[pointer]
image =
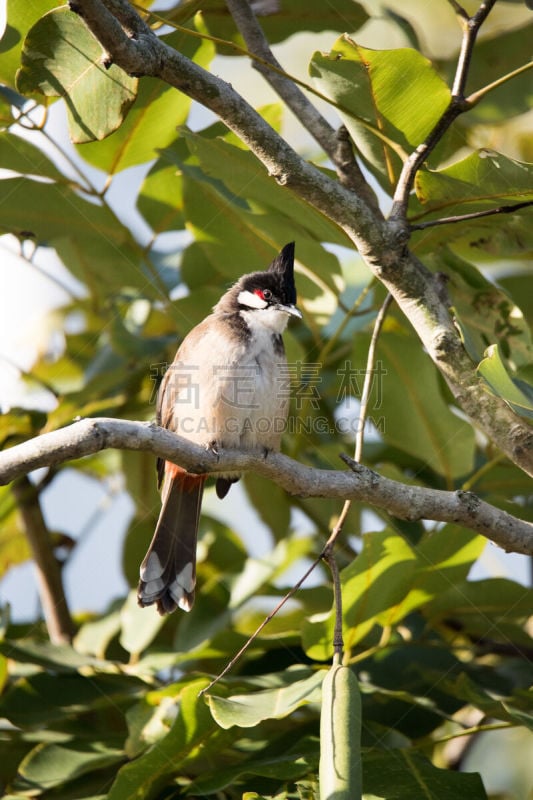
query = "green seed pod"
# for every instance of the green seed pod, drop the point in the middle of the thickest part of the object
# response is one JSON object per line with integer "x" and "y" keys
{"x": 340, "y": 736}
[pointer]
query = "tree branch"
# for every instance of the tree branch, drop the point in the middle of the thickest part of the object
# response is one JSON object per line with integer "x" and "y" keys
{"x": 49, "y": 579}
{"x": 136, "y": 49}
{"x": 405, "y": 501}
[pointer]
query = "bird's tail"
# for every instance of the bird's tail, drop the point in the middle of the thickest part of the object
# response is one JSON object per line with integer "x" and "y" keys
{"x": 168, "y": 572}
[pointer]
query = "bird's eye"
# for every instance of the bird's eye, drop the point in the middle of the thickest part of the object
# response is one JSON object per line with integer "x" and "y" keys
{"x": 264, "y": 294}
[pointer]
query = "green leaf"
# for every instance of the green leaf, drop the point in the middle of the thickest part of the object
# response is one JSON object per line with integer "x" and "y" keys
{"x": 14, "y": 548}
{"x": 444, "y": 558}
{"x": 21, "y": 16}
{"x": 51, "y": 765}
{"x": 396, "y": 774}
{"x": 139, "y": 625}
{"x": 373, "y": 586}
{"x": 188, "y": 738}
{"x": 41, "y": 698}
{"x": 258, "y": 573}
{"x": 94, "y": 637}
{"x": 407, "y": 397}
{"x": 486, "y": 600}
{"x": 483, "y": 312}
{"x": 61, "y": 58}
{"x": 517, "y": 394}
{"x": 271, "y": 503}
{"x": 244, "y": 175}
{"x": 95, "y": 246}
{"x": 62, "y": 659}
{"x": 153, "y": 118}
{"x": 484, "y": 179}
{"x": 160, "y": 198}
{"x": 395, "y": 92}
{"x": 515, "y": 709}
{"x": 20, "y": 155}
{"x": 248, "y": 710}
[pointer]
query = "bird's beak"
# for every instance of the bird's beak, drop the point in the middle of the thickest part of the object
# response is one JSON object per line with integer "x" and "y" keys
{"x": 290, "y": 309}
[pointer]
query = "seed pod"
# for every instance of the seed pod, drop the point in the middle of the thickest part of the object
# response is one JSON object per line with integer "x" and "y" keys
{"x": 340, "y": 736}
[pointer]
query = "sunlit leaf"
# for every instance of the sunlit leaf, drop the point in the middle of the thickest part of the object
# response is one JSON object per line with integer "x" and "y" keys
{"x": 388, "y": 89}
{"x": 483, "y": 312}
{"x": 21, "y": 16}
{"x": 188, "y": 737}
{"x": 248, "y": 710}
{"x": 61, "y": 58}
{"x": 517, "y": 394}
{"x": 151, "y": 123}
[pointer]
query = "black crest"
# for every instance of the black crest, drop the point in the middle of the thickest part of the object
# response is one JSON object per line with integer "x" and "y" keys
{"x": 283, "y": 269}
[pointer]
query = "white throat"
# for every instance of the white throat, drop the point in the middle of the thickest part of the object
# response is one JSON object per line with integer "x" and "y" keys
{"x": 266, "y": 320}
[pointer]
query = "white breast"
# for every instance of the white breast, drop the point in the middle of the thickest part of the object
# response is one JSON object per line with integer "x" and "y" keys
{"x": 229, "y": 393}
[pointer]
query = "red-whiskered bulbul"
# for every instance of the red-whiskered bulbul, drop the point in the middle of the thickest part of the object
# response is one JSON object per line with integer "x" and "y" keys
{"x": 224, "y": 389}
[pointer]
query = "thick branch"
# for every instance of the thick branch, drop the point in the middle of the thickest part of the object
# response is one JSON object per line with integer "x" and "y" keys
{"x": 49, "y": 580}
{"x": 360, "y": 483}
{"x": 135, "y": 48}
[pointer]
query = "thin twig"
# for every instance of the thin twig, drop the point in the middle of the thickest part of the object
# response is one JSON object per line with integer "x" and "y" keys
{"x": 365, "y": 394}
{"x": 432, "y": 223}
{"x": 265, "y": 622}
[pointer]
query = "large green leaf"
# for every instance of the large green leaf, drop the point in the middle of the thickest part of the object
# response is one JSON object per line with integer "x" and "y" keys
{"x": 42, "y": 698}
{"x": 245, "y": 176}
{"x": 14, "y": 547}
{"x": 373, "y": 585}
{"x": 396, "y": 774}
{"x": 484, "y": 179}
{"x": 395, "y": 92}
{"x": 152, "y": 121}
{"x": 300, "y": 686}
{"x": 485, "y": 602}
{"x": 389, "y": 579}
{"x": 61, "y": 58}
{"x": 407, "y": 398}
{"x": 95, "y": 246}
{"x": 51, "y": 765}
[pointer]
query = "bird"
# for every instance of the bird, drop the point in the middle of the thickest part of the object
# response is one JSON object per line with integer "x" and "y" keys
{"x": 224, "y": 390}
